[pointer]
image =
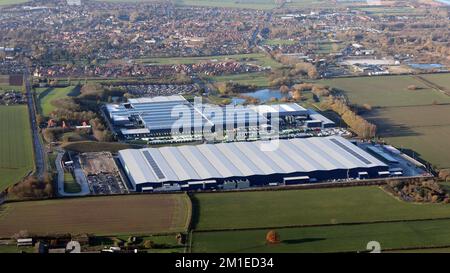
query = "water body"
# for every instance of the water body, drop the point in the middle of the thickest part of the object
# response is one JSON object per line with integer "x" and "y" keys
{"x": 263, "y": 95}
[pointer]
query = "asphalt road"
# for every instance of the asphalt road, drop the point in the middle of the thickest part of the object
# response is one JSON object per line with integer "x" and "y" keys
{"x": 39, "y": 156}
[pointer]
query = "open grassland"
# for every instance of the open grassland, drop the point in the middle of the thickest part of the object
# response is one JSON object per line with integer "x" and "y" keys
{"x": 433, "y": 233}
{"x": 5, "y": 88}
{"x": 12, "y": 2}
{"x": 387, "y": 91}
{"x": 132, "y": 214}
{"x": 421, "y": 129}
{"x": 391, "y": 11}
{"x": 305, "y": 207}
{"x": 409, "y": 119}
{"x": 257, "y": 79}
{"x": 442, "y": 80}
{"x": 16, "y": 149}
{"x": 70, "y": 184}
{"x": 46, "y": 97}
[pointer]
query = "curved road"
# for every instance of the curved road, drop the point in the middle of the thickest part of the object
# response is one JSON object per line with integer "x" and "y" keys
{"x": 39, "y": 154}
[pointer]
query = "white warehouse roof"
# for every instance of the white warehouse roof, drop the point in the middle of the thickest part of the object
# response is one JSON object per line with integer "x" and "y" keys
{"x": 240, "y": 159}
{"x": 283, "y": 109}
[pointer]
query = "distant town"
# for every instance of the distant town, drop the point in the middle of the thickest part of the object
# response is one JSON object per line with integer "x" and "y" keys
{"x": 196, "y": 113}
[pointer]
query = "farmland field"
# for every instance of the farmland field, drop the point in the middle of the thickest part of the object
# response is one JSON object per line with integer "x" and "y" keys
{"x": 433, "y": 233}
{"x": 305, "y": 207}
{"x": 16, "y": 149}
{"x": 375, "y": 90}
{"x": 47, "y": 95}
{"x": 421, "y": 129}
{"x": 415, "y": 120}
{"x": 133, "y": 214}
{"x": 442, "y": 80}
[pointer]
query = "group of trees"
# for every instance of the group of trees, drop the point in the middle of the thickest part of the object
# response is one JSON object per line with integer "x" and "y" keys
{"x": 358, "y": 124}
{"x": 79, "y": 110}
{"x": 418, "y": 191}
{"x": 229, "y": 88}
{"x": 32, "y": 187}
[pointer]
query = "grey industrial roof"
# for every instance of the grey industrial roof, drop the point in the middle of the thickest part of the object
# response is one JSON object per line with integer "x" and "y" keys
{"x": 314, "y": 115}
{"x": 282, "y": 109}
{"x": 210, "y": 161}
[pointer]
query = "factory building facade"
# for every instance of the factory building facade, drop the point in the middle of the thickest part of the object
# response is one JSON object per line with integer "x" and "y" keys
{"x": 240, "y": 165}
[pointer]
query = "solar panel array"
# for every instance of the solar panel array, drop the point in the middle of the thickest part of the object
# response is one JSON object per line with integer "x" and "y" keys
{"x": 154, "y": 166}
{"x": 350, "y": 151}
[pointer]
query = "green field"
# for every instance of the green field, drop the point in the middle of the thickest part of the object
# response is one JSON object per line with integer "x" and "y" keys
{"x": 434, "y": 233}
{"x": 46, "y": 96}
{"x": 420, "y": 129}
{"x": 442, "y": 80}
{"x": 305, "y": 207}
{"x": 12, "y": 2}
{"x": 257, "y": 79}
{"x": 70, "y": 184}
{"x": 16, "y": 149}
{"x": 408, "y": 119}
{"x": 387, "y": 91}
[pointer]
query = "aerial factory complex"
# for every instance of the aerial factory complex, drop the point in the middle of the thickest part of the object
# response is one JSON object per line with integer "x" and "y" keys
{"x": 192, "y": 126}
{"x": 244, "y": 164}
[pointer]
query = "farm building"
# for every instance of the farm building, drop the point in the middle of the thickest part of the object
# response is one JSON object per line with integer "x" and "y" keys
{"x": 245, "y": 164}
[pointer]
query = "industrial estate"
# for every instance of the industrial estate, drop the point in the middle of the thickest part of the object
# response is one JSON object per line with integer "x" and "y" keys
{"x": 224, "y": 126}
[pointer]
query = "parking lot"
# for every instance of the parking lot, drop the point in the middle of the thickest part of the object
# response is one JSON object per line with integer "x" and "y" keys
{"x": 160, "y": 89}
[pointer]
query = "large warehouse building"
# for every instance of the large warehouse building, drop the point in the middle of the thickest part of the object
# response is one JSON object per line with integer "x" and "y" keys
{"x": 245, "y": 164}
{"x": 162, "y": 116}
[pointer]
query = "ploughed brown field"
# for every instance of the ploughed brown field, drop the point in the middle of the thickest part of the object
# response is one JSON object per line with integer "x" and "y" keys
{"x": 132, "y": 214}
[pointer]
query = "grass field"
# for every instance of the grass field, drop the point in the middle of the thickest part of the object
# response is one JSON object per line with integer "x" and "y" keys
{"x": 421, "y": 129}
{"x": 305, "y": 207}
{"x": 70, "y": 185}
{"x": 138, "y": 214}
{"x": 16, "y": 149}
{"x": 257, "y": 79}
{"x": 46, "y": 96}
{"x": 442, "y": 80}
{"x": 12, "y": 2}
{"x": 376, "y": 90}
{"x": 397, "y": 235}
{"x": 407, "y": 119}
